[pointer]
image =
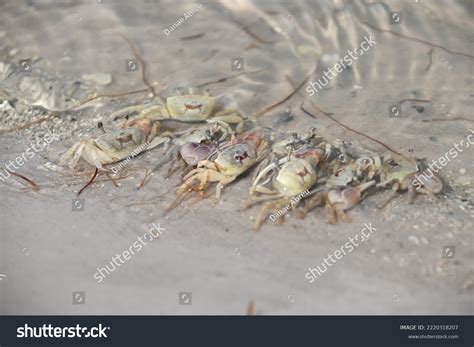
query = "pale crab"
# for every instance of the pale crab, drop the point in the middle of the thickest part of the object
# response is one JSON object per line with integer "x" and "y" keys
{"x": 346, "y": 186}
{"x": 285, "y": 181}
{"x": 188, "y": 107}
{"x": 192, "y": 146}
{"x": 311, "y": 160}
{"x": 295, "y": 142}
{"x": 135, "y": 136}
{"x": 405, "y": 175}
{"x": 287, "y": 173}
{"x": 362, "y": 169}
{"x": 338, "y": 200}
{"x": 229, "y": 162}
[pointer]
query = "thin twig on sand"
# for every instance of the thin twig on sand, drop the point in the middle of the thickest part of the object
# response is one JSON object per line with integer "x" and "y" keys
{"x": 329, "y": 115}
{"x": 271, "y": 107}
{"x": 430, "y": 55}
{"x": 89, "y": 183}
{"x": 142, "y": 63}
{"x": 145, "y": 179}
{"x": 448, "y": 119}
{"x": 223, "y": 79}
{"x": 355, "y": 131}
{"x": 418, "y": 40}
{"x": 32, "y": 184}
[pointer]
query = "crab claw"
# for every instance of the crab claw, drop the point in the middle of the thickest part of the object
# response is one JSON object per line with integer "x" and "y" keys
{"x": 348, "y": 197}
{"x": 340, "y": 200}
{"x": 192, "y": 153}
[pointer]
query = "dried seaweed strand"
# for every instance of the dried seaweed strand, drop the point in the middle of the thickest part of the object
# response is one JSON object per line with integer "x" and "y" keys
{"x": 414, "y": 100}
{"x": 448, "y": 120}
{"x": 145, "y": 179}
{"x": 112, "y": 179}
{"x": 430, "y": 55}
{"x": 27, "y": 125}
{"x": 223, "y": 79}
{"x": 33, "y": 185}
{"x": 192, "y": 37}
{"x": 312, "y": 104}
{"x": 355, "y": 131}
{"x": 142, "y": 203}
{"x": 418, "y": 40}
{"x": 251, "y": 34}
{"x": 89, "y": 183}
{"x": 269, "y": 108}
{"x": 142, "y": 63}
{"x": 329, "y": 115}
{"x": 113, "y": 95}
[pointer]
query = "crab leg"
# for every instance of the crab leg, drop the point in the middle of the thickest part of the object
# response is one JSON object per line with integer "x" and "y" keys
{"x": 253, "y": 201}
{"x": 267, "y": 169}
{"x": 228, "y": 116}
{"x": 264, "y": 211}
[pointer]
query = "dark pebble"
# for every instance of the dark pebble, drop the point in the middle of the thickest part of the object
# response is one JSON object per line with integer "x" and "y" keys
{"x": 420, "y": 109}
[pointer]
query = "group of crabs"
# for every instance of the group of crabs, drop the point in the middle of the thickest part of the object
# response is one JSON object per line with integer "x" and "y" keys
{"x": 334, "y": 175}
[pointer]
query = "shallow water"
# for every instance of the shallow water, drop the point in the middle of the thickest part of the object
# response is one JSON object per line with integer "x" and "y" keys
{"x": 286, "y": 38}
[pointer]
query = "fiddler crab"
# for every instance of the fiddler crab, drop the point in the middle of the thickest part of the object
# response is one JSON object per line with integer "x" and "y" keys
{"x": 188, "y": 108}
{"x": 371, "y": 170}
{"x": 345, "y": 187}
{"x": 338, "y": 200}
{"x": 310, "y": 160}
{"x": 196, "y": 144}
{"x": 404, "y": 175}
{"x": 399, "y": 172}
{"x": 135, "y": 136}
{"x": 143, "y": 131}
{"x": 363, "y": 168}
{"x": 318, "y": 173}
{"x": 225, "y": 164}
{"x": 284, "y": 181}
